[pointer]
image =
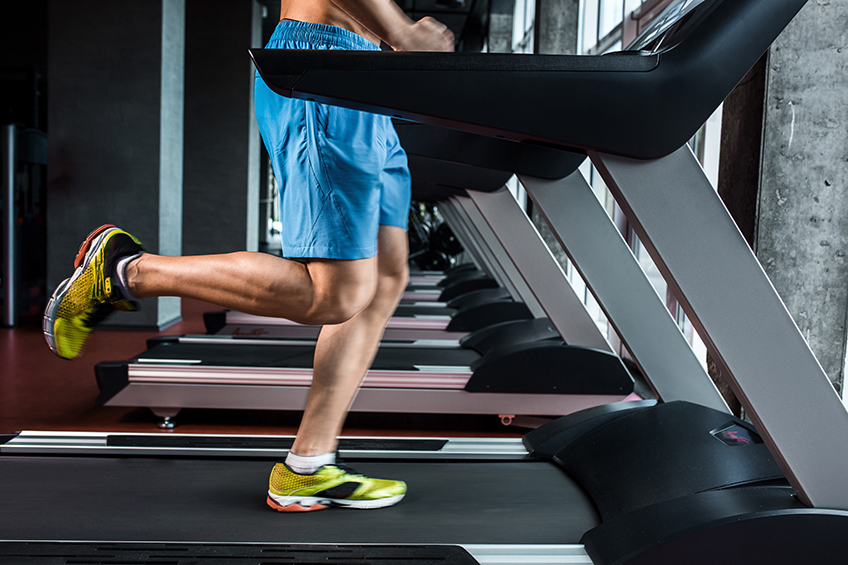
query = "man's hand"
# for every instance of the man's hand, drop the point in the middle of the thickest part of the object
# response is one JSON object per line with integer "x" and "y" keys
{"x": 427, "y": 34}
{"x": 388, "y": 22}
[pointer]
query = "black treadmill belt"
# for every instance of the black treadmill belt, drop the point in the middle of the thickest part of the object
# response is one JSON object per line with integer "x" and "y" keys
{"x": 417, "y": 310}
{"x": 48, "y": 553}
{"x": 214, "y": 500}
{"x": 194, "y": 441}
{"x": 300, "y": 356}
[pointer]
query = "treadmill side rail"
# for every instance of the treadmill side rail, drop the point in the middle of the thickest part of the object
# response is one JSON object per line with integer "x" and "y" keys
{"x": 741, "y": 317}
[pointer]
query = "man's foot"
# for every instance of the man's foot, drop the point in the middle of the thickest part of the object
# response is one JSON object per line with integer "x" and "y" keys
{"x": 91, "y": 294}
{"x": 329, "y": 486}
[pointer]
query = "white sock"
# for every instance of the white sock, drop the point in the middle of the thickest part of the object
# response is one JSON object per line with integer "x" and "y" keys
{"x": 309, "y": 464}
{"x": 121, "y": 273}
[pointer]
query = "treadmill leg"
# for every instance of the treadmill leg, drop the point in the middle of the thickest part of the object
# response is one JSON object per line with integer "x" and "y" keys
{"x": 167, "y": 415}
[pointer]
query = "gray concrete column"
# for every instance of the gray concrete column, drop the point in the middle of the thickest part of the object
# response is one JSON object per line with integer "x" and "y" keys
{"x": 802, "y": 230}
{"x": 115, "y": 117}
{"x": 501, "y": 13}
{"x": 556, "y": 34}
{"x": 221, "y": 194}
{"x": 557, "y": 23}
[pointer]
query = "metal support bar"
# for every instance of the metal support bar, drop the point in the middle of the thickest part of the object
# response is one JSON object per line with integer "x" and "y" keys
{"x": 539, "y": 269}
{"x": 624, "y": 293}
{"x": 478, "y": 232}
{"x": 9, "y": 274}
{"x": 470, "y": 241}
{"x": 514, "y": 280}
{"x": 730, "y": 300}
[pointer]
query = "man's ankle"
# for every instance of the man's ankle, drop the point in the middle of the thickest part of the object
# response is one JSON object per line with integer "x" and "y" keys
{"x": 309, "y": 464}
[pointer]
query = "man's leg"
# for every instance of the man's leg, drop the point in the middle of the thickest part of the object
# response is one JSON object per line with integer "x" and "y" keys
{"x": 310, "y": 480}
{"x": 322, "y": 291}
{"x": 345, "y": 351}
{"x": 111, "y": 274}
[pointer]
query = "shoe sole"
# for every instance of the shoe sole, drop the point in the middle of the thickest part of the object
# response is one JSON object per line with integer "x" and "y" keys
{"x": 312, "y": 503}
{"x": 81, "y": 262}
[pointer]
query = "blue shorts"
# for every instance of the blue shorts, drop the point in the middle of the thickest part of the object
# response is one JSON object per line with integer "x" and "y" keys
{"x": 342, "y": 173}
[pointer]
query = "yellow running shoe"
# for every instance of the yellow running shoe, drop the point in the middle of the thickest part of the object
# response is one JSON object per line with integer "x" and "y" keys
{"x": 91, "y": 294}
{"x": 331, "y": 485}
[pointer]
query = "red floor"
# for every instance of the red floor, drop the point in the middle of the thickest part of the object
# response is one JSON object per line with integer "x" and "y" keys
{"x": 39, "y": 391}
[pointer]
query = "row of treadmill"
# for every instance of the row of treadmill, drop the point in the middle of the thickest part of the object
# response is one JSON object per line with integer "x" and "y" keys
{"x": 651, "y": 469}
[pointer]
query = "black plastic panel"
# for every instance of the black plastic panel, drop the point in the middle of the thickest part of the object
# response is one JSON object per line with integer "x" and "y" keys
{"x": 651, "y": 455}
{"x": 545, "y": 442}
{"x": 430, "y": 192}
{"x": 510, "y": 334}
{"x": 214, "y": 321}
{"x": 473, "y": 319}
{"x": 486, "y": 152}
{"x": 456, "y": 175}
{"x": 735, "y": 527}
{"x": 479, "y": 297}
{"x": 461, "y": 275}
{"x": 5, "y": 438}
{"x": 111, "y": 378}
{"x": 464, "y": 285}
{"x": 631, "y": 104}
{"x": 550, "y": 368}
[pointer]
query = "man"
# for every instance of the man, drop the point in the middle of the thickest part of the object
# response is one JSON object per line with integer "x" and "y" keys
{"x": 345, "y": 192}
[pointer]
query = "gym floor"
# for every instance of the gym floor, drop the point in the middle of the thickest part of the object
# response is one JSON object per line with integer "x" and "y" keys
{"x": 39, "y": 391}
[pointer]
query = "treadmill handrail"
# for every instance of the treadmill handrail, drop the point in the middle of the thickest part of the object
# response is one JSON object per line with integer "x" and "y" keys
{"x": 631, "y": 104}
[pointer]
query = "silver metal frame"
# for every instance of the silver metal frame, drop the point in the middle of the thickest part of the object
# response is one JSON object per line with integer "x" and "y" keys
{"x": 723, "y": 289}
{"x": 487, "y": 249}
{"x": 623, "y": 291}
{"x": 9, "y": 276}
{"x": 539, "y": 269}
{"x": 95, "y": 443}
{"x": 166, "y": 389}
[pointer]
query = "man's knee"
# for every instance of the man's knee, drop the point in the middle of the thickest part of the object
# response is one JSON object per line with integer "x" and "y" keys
{"x": 340, "y": 292}
{"x": 344, "y": 301}
{"x": 393, "y": 281}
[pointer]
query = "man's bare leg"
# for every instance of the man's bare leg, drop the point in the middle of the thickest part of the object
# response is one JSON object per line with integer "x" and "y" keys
{"x": 361, "y": 294}
{"x": 324, "y": 291}
{"x": 345, "y": 351}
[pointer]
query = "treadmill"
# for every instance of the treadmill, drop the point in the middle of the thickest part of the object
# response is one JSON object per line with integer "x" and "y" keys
{"x": 479, "y": 378}
{"x": 672, "y": 482}
{"x": 450, "y": 306}
{"x": 688, "y": 60}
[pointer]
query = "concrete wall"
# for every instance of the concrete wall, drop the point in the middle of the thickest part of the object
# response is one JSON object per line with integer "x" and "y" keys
{"x": 115, "y": 117}
{"x": 802, "y": 225}
{"x": 557, "y": 23}
{"x": 221, "y": 185}
{"x": 500, "y": 26}
{"x": 556, "y": 27}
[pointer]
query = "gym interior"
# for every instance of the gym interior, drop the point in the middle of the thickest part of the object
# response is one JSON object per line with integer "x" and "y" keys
{"x": 627, "y": 321}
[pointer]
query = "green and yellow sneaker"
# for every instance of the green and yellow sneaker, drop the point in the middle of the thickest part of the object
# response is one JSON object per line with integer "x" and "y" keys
{"x": 91, "y": 294}
{"x": 329, "y": 486}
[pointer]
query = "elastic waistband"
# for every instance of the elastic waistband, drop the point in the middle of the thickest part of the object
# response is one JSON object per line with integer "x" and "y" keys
{"x": 289, "y": 31}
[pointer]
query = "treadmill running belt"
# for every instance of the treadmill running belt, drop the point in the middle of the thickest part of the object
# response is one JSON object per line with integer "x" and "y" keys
{"x": 213, "y": 500}
{"x": 252, "y": 442}
{"x": 298, "y": 356}
{"x": 46, "y": 553}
